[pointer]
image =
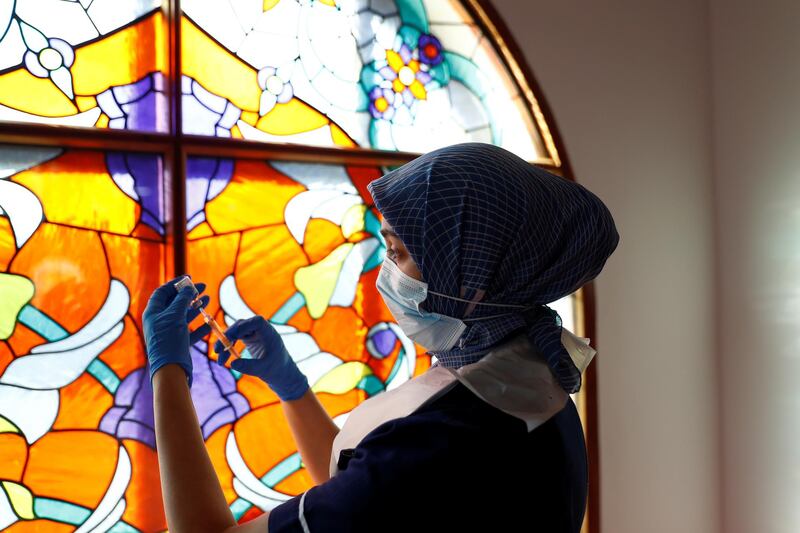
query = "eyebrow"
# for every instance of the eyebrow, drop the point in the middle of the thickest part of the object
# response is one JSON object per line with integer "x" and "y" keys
{"x": 388, "y": 232}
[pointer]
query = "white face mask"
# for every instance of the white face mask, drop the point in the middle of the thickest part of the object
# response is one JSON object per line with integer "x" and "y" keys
{"x": 403, "y": 296}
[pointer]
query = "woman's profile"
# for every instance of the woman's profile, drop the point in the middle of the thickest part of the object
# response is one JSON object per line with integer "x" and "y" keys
{"x": 477, "y": 242}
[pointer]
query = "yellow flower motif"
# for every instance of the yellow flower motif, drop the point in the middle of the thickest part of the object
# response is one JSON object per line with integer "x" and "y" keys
{"x": 405, "y": 73}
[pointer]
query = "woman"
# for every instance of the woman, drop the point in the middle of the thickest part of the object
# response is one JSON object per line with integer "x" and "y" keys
{"x": 488, "y": 438}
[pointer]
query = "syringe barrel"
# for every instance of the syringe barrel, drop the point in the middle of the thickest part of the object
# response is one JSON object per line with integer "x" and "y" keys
{"x": 220, "y": 334}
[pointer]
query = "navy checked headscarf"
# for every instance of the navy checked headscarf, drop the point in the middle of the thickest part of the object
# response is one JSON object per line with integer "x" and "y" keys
{"x": 484, "y": 225}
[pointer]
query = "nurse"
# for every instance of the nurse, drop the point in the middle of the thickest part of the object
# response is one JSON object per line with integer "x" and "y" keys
{"x": 488, "y": 439}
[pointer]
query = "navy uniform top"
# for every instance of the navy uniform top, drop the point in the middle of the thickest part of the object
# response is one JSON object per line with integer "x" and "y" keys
{"x": 456, "y": 463}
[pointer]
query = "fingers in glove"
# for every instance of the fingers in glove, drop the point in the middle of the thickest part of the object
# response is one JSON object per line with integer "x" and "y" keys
{"x": 162, "y": 296}
{"x": 244, "y": 328}
{"x": 181, "y": 301}
{"x": 199, "y": 333}
{"x": 222, "y": 354}
{"x": 246, "y": 366}
{"x": 192, "y": 312}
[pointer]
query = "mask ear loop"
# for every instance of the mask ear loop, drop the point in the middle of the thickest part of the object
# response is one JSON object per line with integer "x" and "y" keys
{"x": 517, "y": 306}
{"x": 512, "y": 306}
{"x": 484, "y": 317}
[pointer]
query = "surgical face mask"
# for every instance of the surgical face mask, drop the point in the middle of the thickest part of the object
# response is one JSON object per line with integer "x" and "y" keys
{"x": 403, "y": 296}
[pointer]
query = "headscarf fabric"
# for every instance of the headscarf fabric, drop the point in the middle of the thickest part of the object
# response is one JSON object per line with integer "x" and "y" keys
{"x": 486, "y": 226}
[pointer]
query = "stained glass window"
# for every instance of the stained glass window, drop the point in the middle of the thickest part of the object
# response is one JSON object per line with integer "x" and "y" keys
{"x": 335, "y": 92}
{"x": 82, "y": 243}
{"x": 407, "y": 75}
{"x": 91, "y": 63}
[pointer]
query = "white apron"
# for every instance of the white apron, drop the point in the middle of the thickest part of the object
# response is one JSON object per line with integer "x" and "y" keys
{"x": 512, "y": 377}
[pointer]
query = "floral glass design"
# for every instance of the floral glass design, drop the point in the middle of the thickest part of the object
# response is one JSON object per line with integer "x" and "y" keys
{"x": 97, "y": 63}
{"x": 406, "y": 75}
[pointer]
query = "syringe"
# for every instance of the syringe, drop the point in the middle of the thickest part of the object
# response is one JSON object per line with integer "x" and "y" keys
{"x": 197, "y": 303}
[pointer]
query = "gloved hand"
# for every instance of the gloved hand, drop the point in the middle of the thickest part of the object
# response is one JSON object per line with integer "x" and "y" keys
{"x": 166, "y": 327}
{"x": 271, "y": 361}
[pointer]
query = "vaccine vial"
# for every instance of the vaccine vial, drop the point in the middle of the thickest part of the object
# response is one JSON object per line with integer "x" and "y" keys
{"x": 197, "y": 303}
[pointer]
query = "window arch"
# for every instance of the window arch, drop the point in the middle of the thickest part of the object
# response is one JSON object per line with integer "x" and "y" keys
{"x": 233, "y": 140}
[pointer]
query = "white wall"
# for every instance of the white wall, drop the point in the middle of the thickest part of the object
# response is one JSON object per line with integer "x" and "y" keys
{"x": 756, "y": 102}
{"x": 628, "y": 83}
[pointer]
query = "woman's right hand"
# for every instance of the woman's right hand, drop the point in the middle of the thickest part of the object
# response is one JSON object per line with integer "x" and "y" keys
{"x": 270, "y": 360}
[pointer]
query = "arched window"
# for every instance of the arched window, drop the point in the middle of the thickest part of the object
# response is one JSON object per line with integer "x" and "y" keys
{"x": 232, "y": 140}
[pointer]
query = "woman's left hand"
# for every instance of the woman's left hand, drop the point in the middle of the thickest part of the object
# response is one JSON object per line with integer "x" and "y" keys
{"x": 166, "y": 327}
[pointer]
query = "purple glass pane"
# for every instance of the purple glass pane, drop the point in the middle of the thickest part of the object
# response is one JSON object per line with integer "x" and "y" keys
{"x": 140, "y": 106}
{"x": 132, "y": 414}
{"x": 239, "y": 403}
{"x": 224, "y": 378}
{"x": 128, "y": 93}
{"x": 128, "y": 388}
{"x": 142, "y": 113}
{"x": 139, "y": 176}
{"x": 110, "y": 420}
{"x": 217, "y": 420}
{"x": 205, "y": 179}
{"x": 384, "y": 341}
{"x": 206, "y": 395}
{"x": 131, "y": 429}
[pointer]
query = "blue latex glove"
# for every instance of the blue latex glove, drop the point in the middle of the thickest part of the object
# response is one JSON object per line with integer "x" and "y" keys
{"x": 270, "y": 360}
{"x": 166, "y": 327}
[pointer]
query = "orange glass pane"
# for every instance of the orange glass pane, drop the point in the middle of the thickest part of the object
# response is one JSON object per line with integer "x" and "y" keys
{"x": 74, "y": 466}
{"x": 296, "y": 483}
{"x": 257, "y": 392}
{"x": 258, "y": 455}
{"x": 68, "y": 286}
{"x": 125, "y": 255}
{"x": 82, "y": 404}
{"x": 97, "y": 204}
{"x": 7, "y": 248}
{"x": 13, "y": 456}
{"x": 234, "y": 209}
{"x": 6, "y": 356}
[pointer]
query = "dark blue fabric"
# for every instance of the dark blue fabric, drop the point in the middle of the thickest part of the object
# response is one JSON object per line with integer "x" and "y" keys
{"x": 456, "y": 464}
{"x": 484, "y": 225}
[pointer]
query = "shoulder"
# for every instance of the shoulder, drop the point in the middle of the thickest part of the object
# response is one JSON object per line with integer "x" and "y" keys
{"x": 454, "y": 448}
{"x": 458, "y": 413}
{"x": 460, "y": 427}
{"x": 433, "y": 444}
